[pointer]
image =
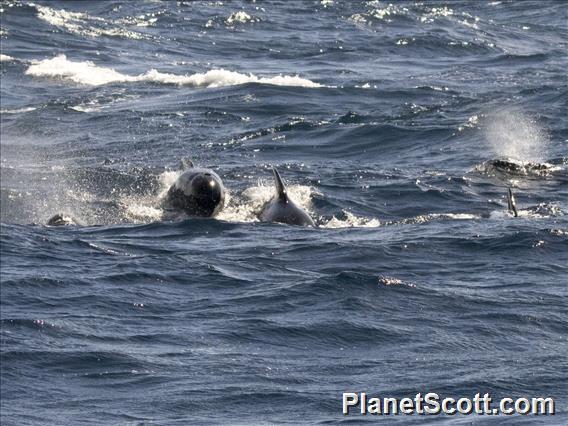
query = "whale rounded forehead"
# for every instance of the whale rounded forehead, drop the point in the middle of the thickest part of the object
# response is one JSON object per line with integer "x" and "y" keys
{"x": 186, "y": 177}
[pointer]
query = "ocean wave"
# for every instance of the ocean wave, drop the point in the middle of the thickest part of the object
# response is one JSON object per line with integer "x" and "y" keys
{"x": 421, "y": 14}
{"x": 86, "y": 108}
{"x": 350, "y": 220}
{"x": 418, "y": 12}
{"x": 434, "y": 13}
{"x": 17, "y": 110}
{"x": 86, "y": 25}
{"x": 88, "y": 73}
{"x": 101, "y": 103}
{"x": 425, "y": 218}
{"x": 6, "y": 58}
{"x": 391, "y": 281}
{"x": 378, "y": 13}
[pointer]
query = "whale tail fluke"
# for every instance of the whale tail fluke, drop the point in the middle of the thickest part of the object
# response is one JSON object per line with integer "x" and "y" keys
{"x": 280, "y": 188}
{"x": 511, "y": 204}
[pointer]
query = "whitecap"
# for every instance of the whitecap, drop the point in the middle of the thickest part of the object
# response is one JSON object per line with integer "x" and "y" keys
{"x": 391, "y": 281}
{"x": 88, "y": 73}
{"x": 91, "y": 26}
{"x": 79, "y": 72}
{"x": 85, "y": 108}
{"x": 240, "y": 17}
{"x": 435, "y": 13}
{"x": 418, "y": 220}
{"x": 459, "y": 216}
{"x": 96, "y": 105}
{"x": 17, "y": 111}
{"x": 350, "y": 220}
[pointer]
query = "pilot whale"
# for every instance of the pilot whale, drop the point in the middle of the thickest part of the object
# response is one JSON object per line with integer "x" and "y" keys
{"x": 517, "y": 167}
{"x": 197, "y": 192}
{"x": 282, "y": 209}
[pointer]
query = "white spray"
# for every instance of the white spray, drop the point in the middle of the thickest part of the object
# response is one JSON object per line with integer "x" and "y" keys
{"x": 515, "y": 135}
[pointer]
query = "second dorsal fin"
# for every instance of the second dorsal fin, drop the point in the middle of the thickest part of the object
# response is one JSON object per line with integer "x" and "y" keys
{"x": 280, "y": 188}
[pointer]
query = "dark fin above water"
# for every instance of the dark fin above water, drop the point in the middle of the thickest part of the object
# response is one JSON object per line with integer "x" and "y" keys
{"x": 185, "y": 163}
{"x": 511, "y": 204}
{"x": 280, "y": 188}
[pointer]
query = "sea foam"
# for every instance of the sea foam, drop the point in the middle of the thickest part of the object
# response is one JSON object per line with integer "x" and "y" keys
{"x": 239, "y": 17}
{"x": 88, "y": 73}
{"x": 86, "y": 25}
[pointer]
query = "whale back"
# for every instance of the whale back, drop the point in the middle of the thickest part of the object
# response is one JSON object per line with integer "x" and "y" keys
{"x": 282, "y": 209}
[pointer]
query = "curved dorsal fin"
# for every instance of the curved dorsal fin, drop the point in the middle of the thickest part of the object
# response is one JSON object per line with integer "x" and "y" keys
{"x": 280, "y": 188}
{"x": 511, "y": 204}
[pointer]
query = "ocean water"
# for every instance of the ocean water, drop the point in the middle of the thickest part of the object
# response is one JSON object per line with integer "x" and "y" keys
{"x": 385, "y": 120}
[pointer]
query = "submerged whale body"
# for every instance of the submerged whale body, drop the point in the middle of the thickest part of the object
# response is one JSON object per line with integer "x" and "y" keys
{"x": 197, "y": 192}
{"x": 282, "y": 209}
{"x": 517, "y": 167}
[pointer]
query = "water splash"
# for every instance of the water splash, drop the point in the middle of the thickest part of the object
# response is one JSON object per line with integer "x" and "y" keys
{"x": 246, "y": 206}
{"x": 517, "y": 135}
{"x": 349, "y": 220}
{"x": 240, "y": 17}
{"x": 143, "y": 209}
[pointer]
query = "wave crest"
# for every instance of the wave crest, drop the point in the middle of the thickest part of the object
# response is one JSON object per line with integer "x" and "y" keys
{"x": 88, "y": 73}
{"x": 90, "y": 26}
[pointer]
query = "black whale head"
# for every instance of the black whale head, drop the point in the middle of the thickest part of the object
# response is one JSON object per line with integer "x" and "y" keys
{"x": 198, "y": 192}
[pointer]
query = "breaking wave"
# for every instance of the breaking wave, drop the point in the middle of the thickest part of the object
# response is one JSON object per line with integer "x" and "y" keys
{"x": 93, "y": 26}
{"x": 88, "y": 73}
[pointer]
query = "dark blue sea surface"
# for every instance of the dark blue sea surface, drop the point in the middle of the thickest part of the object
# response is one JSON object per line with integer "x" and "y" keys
{"x": 386, "y": 120}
